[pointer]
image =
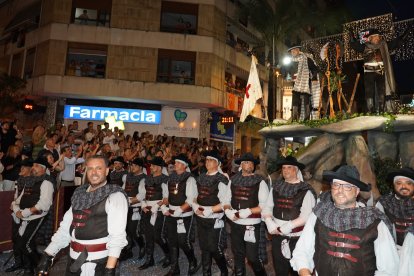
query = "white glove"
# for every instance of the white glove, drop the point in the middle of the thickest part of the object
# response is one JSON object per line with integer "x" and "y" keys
{"x": 178, "y": 212}
{"x": 286, "y": 228}
{"x": 230, "y": 213}
{"x": 208, "y": 211}
{"x": 154, "y": 209}
{"x": 271, "y": 225}
{"x": 195, "y": 206}
{"x": 244, "y": 213}
{"x": 165, "y": 210}
{"x": 26, "y": 213}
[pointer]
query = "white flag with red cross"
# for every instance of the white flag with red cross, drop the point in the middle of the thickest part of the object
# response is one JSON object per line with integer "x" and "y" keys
{"x": 253, "y": 91}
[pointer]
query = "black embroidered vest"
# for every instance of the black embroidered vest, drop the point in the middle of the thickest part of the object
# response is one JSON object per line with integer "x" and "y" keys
{"x": 346, "y": 253}
{"x": 153, "y": 188}
{"x": 31, "y": 195}
{"x": 92, "y": 223}
{"x": 287, "y": 207}
{"x": 208, "y": 188}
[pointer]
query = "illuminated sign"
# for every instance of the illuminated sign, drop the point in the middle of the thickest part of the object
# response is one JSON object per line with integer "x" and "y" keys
{"x": 120, "y": 114}
{"x": 227, "y": 120}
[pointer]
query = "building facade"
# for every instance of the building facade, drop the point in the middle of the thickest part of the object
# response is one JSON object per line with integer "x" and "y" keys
{"x": 187, "y": 54}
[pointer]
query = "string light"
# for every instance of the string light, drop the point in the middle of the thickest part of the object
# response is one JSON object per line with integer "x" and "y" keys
{"x": 383, "y": 24}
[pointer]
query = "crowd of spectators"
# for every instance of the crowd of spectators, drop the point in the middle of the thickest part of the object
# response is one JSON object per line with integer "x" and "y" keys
{"x": 66, "y": 148}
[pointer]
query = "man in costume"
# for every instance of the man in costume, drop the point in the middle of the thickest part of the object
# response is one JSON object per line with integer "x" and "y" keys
{"x": 288, "y": 206}
{"x": 342, "y": 237}
{"x": 182, "y": 189}
{"x": 118, "y": 174}
{"x": 29, "y": 210}
{"x": 399, "y": 205}
{"x": 246, "y": 197}
{"x": 154, "y": 193}
{"x": 132, "y": 181}
{"x": 209, "y": 206}
{"x": 306, "y": 90}
{"x": 94, "y": 226}
{"x": 379, "y": 79}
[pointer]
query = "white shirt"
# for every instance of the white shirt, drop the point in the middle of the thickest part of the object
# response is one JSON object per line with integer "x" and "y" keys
{"x": 308, "y": 203}
{"x": 68, "y": 174}
{"x": 385, "y": 251}
{"x": 116, "y": 207}
{"x": 407, "y": 256}
{"x": 263, "y": 195}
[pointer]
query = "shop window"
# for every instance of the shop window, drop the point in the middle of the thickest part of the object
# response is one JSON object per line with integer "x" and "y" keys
{"x": 29, "y": 63}
{"x": 17, "y": 64}
{"x": 91, "y": 12}
{"x": 86, "y": 60}
{"x": 176, "y": 66}
{"x": 179, "y": 18}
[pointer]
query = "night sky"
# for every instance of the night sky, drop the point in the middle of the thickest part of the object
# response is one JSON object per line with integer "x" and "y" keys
{"x": 401, "y": 9}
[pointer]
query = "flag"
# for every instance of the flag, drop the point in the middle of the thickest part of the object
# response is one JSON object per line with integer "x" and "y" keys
{"x": 253, "y": 91}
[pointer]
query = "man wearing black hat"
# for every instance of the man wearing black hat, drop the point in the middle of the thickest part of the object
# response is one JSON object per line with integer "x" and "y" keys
{"x": 182, "y": 189}
{"x": 342, "y": 237}
{"x": 246, "y": 197}
{"x": 94, "y": 226}
{"x": 379, "y": 79}
{"x": 29, "y": 210}
{"x": 399, "y": 205}
{"x": 288, "y": 206}
{"x": 306, "y": 84}
{"x": 154, "y": 191}
{"x": 118, "y": 174}
{"x": 133, "y": 178}
{"x": 209, "y": 206}
{"x": 24, "y": 178}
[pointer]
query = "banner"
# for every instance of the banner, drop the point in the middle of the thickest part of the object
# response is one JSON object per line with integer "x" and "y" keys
{"x": 180, "y": 122}
{"x": 253, "y": 91}
{"x": 219, "y": 131}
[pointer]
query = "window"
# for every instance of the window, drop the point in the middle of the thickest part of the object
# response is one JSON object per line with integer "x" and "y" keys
{"x": 17, "y": 64}
{"x": 86, "y": 60}
{"x": 179, "y": 18}
{"x": 92, "y": 12}
{"x": 176, "y": 66}
{"x": 29, "y": 63}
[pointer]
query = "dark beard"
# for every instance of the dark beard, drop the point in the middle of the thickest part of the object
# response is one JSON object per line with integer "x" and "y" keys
{"x": 411, "y": 195}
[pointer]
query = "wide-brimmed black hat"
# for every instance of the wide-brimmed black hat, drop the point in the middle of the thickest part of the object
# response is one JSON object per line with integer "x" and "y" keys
{"x": 406, "y": 172}
{"x": 290, "y": 160}
{"x": 372, "y": 31}
{"x": 349, "y": 174}
{"x": 183, "y": 158}
{"x": 157, "y": 161}
{"x": 41, "y": 160}
{"x": 28, "y": 162}
{"x": 119, "y": 159}
{"x": 248, "y": 156}
{"x": 138, "y": 161}
{"x": 294, "y": 46}
{"x": 213, "y": 154}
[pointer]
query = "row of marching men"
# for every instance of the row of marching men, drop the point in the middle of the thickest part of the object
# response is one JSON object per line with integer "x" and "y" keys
{"x": 338, "y": 236}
